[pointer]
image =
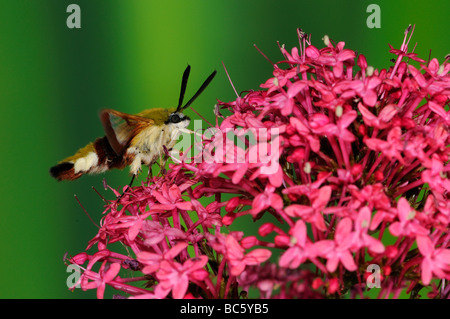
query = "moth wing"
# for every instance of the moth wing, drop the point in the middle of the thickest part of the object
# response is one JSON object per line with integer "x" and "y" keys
{"x": 120, "y": 128}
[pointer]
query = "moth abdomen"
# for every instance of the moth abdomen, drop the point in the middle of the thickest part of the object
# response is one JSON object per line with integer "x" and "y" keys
{"x": 64, "y": 171}
{"x": 96, "y": 157}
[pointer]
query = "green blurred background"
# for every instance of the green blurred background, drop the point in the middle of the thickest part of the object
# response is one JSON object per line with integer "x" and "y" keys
{"x": 129, "y": 55}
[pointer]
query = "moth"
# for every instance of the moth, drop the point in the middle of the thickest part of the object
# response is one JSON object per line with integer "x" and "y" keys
{"x": 130, "y": 140}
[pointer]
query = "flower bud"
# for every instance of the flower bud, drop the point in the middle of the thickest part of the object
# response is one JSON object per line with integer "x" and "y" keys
{"x": 362, "y": 62}
{"x": 282, "y": 240}
{"x": 228, "y": 219}
{"x": 249, "y": 242}
{"x": 265, "y": 229}
{"x": 79, "y": 259}
{"x": 379, "y": 176}
{"x": 317, "y": 283}
{"x": 333, "y": 285}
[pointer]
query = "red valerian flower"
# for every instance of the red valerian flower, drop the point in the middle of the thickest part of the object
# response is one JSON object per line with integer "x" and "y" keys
{"x": 340, "y": 169}
{"x": 407, "y": 225}
{"x": 175, "y": 277}
{"x": 435, "y": 261}
{"x": 297, "y": 252}
{"x": 382, "y": 120}
{"x": 152, "y": 261}
{"x": 390, "y": 148}
{"x": 361, "y": 238}
{"x": 238, "y": 260}
{"x": 338, "y": 250}
{"x": 312, "y": 213}
{"x": 104, "y": 276}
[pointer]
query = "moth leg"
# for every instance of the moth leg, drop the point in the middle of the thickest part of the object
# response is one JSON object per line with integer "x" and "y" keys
{"x": 131, "y": 182}
{"x": 129, "y": 187}
{"x": 150, "y": 173}
{"x": 162, "y": 165}
{"x": 136, "y": 164}
{"x": 135, "y": 168}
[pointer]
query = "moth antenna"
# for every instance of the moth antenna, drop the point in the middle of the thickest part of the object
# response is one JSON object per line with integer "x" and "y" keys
{"x": 128, "y": 188}
{"x": 184, "y": 81}
{"x": 87, "y": 214}
{"x": 229, "y": 79}
{"x": 200, "y": 90}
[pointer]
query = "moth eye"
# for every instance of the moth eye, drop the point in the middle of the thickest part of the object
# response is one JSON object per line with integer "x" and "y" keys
{"x": 175, "y": 118}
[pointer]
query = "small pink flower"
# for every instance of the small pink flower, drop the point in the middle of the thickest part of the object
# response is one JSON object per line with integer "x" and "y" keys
{"x": 208, "y": 216}
{"x": 305, "y": 132}
{"x": 265, "y": 200}
{"x": 175, "y": 277}
{"x": 300, "y": 248}
{"x": 238, "y": 260}
{"x": 99, "y": 280}
{"x": 312, "y": 213}
{"x": 364, "y": 88}
{"x": 170, "y": 199}
{"x": 435, "y": 260}
{"x": 407, "y": 225}
{"x": 360, "y": 236}
{"x": 333, "y": 285}
{"x": 152, "y": 261}
{"x": 382, "y": 120}
{"x": 340, "y": 129}
{"x": 435, "y": 176}
{"x": 280, "y": 79}
{"x": 284, "y": 100}
{"x": 390, "y": 148}
{"x": 153, "y": 232}
{"x": 338, "y": 250}
{"x": 265, "y": 163}
{"x": 436, "y": 70}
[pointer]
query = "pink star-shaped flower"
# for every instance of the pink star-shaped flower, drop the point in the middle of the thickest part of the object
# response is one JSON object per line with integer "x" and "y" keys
{"x": 337, "y": 250}
{"x": 175, "y": 277}
{"x": 300, "y": 248}
{"x": 435, "y": 260}
{"x": 238, "y": 260}
{"x": 313, "y": 213}
{"x": 407, "y": 224}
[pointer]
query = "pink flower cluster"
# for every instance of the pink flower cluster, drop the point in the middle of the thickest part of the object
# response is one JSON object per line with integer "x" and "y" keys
{"x": 360, "y": 178}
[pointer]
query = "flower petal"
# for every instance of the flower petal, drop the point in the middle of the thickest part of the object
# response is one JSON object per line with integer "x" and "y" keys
{"x": 257, "y": 256}
{"x": 425, "y": 245}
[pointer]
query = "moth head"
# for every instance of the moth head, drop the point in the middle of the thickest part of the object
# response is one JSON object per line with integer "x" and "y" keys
{"x": 178, "y": 119}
